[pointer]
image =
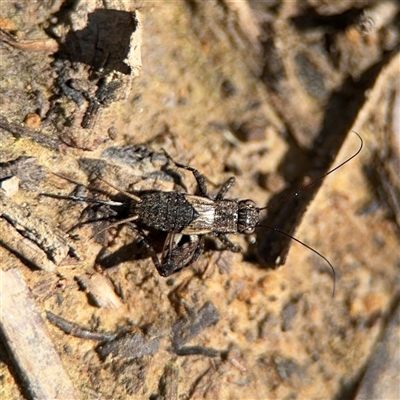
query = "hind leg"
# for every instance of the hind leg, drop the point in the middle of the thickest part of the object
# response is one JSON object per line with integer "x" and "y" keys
{"x": 201, "y": 182}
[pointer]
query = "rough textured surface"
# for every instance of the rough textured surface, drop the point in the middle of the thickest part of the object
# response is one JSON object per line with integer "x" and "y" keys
{"x": 263, "y": 91}
{"x": 24, "y": 332}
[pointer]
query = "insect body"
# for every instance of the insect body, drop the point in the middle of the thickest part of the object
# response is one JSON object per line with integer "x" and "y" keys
{"x": 193, "y": 216}
{"x": 187, "y": 218}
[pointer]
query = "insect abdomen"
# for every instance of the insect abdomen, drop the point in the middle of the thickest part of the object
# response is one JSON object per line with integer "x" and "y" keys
{"x": 164, "y": 211}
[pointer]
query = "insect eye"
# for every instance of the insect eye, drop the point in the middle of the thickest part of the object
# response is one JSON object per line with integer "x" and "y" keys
{"x": 249, "y": 229}
{"x": 249, "y": 203}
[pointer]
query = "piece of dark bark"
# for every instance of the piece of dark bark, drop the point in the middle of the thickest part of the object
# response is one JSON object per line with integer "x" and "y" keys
{"x": 129, "y": 345}
{"x": 71, "y": 328}
{"x": 183, "y": 331}
{"x": 37, "y": 136}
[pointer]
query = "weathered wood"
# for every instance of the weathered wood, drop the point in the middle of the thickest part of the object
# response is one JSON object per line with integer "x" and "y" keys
{"x": 51, "y": 240}
{"x": 273, "y": 93}
{"x": 25, "y": 249}
{"x": 25, "y": 335}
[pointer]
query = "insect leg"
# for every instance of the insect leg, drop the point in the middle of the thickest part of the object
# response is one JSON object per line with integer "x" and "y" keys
{"x": 117, "y": 223}
{"x": 83, "y": 199}
{"x": 227, "y": 243}
{"x": 176, "y": 256}
{"x": 130, "y": 195}
{"x": 224, "y": 188}
{"x": 147, "y": 243}
{"x": 201, "y": 182}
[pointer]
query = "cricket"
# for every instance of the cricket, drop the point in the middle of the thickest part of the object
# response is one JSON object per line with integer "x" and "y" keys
{"x": 187, "y": 218}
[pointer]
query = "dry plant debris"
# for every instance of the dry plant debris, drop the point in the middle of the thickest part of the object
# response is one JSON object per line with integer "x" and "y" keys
{"x": 268, "y": 92}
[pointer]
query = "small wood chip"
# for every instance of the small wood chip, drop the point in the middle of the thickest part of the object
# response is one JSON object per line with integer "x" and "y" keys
{"x": 100, "y": 291}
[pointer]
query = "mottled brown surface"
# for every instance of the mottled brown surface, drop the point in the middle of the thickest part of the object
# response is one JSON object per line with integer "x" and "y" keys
{"x": 256, "y": 90}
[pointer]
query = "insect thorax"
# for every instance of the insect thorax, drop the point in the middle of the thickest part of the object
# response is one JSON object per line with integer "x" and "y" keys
{"x": 226, "y": 216}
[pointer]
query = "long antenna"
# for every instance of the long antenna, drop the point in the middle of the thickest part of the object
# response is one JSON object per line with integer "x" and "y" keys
{"x": 83, "y": 199}
{"x": 302, "y": 190}
{"x": 310, "y": 248}
{"x": 297, "y": 192}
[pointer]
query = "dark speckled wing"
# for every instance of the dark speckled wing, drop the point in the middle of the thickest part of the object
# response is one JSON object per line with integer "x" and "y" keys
{"x": 164, "y": 211}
